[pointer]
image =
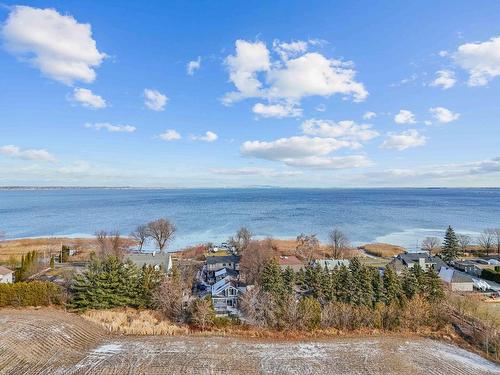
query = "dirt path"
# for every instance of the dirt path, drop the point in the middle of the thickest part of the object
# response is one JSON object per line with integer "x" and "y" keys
{"x": 53, "y": 342}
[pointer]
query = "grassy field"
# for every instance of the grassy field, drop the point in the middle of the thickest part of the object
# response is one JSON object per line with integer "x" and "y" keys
{"x": 382, "y": 249}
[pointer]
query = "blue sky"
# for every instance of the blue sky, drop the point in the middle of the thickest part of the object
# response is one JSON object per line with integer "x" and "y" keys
{"x": 213, "y": 94}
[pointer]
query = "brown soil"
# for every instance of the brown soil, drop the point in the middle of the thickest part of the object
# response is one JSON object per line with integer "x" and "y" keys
{"x": 49, "y": 341}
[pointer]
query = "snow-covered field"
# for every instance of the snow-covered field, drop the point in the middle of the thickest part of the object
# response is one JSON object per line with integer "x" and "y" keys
{"x": 53, "y": 342}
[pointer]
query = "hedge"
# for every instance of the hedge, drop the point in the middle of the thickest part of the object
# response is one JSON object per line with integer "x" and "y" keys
{"x": 35, "y": 293}
{"x": 492, "y": 275}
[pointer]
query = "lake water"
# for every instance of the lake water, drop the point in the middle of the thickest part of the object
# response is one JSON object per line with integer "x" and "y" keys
{"x": 398, "y": 216}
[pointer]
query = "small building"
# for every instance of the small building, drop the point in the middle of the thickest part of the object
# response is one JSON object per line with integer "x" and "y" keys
{"x": 424, "y": 260}
{"x": 225, "y": 294}
{"x": 331, "y": 264}
{"x": 217, "y": 263}
{"x": 6, "y": 275}
{"x": 156, "y": 260}
{"x": 225, "y": 272}
{"x": 457, "y": 281}
{"x": 290, "y": 261}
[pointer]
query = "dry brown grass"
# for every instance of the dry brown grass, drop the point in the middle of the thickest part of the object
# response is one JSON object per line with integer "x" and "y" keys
{"x": 382, "y": 249}
{"x": 48, "y": 246}
{"x": 134, "y": 322}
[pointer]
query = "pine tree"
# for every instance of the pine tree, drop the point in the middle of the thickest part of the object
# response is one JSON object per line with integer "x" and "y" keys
{"x": 343, "y": 282}
{"x": 433, "y": 286}
{"x": 361, "y": 286}
{"x": 450, "y": 247}
{"x": 377, "y": 286}
{"x": 271, "y": 278}
{"x": 393, "y": 292}
{"x": 410, "y": 284}
{"x": 289, "y": 279}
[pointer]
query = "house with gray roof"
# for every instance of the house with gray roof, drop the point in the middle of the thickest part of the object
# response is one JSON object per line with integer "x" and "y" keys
{"x": 424, "y": 260}
{"x": 456, "y": 280}
{"x": 157, "y": 260}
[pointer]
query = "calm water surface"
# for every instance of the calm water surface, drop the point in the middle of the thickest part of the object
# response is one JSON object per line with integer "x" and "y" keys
{"x": 399, "y": 216}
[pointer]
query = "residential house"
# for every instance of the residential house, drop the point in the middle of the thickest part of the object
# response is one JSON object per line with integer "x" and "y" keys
{"x": 456, "y": 280}
{"x": 331, "y": 264}
{"x": 290, "y": 261}
{"x": 216, "y": 263}
{"x": 156, "y": 260}
{"x": 225, "y": 294}
{"x": 6, "y": 275}
{"x": 424, "y": 260}
{"x": 226, "y": 272}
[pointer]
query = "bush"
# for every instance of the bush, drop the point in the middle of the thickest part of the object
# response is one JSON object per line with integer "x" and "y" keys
{"x": 36, "y": 293}
{"x": 492, "y": 275}
{"x": 310, "y": 313}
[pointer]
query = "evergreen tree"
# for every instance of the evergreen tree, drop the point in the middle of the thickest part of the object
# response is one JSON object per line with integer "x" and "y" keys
{"x": 106, "y": 284}
{"x": 377, "y": 286}
{"x": 361, "y": 286}
{"x": 433, "y": 286}
{"x": 313, "y": 280}
{"x": 410, "y": 284}
{"x": 343, "y": 282}
{"x": 289, "y": 279}
{"x": 450, "y": 247}
{"x": 52, "y": 262}
{"x": 271, "y": 278}
{"x": 393, "y": 292}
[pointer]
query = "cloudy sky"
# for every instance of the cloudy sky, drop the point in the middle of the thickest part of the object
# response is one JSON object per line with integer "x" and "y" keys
{"x": 226, "y": 93}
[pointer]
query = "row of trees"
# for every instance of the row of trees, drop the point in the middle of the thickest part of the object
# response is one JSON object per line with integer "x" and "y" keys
{"x": 488, "y": 241}
{"x": 345, "y": 298}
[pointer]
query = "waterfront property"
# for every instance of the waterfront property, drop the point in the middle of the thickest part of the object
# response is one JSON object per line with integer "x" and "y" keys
{"x": 216, "y": 263}
{"x": 157, "y": 260}
{"x": 225, "y": 294}
{"x": 424, "y": 260}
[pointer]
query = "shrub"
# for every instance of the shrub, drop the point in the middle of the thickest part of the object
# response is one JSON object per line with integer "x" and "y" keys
{"x": 492, "y": 275}
{"x": 202, "y": 313}
{"x": 35, "y": 293}
{"x": 310, "y": 313}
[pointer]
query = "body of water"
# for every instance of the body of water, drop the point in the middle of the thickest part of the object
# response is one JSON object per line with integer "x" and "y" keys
{"x": 398, "y": 216}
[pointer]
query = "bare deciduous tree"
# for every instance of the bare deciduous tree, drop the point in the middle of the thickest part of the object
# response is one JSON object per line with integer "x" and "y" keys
{"x": 339, "y": 243}
{"x": 140, "y": 235}
{"x": 168, "y": 297}
{"x": 242, "y": 239}
{"x": 161, "y": 231}
{"x": 464, "y": 241}
{"x": 485, "y": 240}
{"x": 431, "y": 244}
{"x": 202, "y": 313}
{"x": 496, "y": 235}
{"x": 254, "y": 258}
{"x": 102, "y": 243}
{"x": 110, "y": 244}
{"x": 307, "y": 246}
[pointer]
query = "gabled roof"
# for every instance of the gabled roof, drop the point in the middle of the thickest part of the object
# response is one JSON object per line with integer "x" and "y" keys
{"x": 5, "y": 271}
{"x": 151, "y": 259}
{"x": 332, "y": 263}
{"x": 451, "y": 275}
{"x": 409, "y": 258}
{"x": 222, "y": 285}
{"x": 223, "y": 259}
{"x": 291, "y": 260}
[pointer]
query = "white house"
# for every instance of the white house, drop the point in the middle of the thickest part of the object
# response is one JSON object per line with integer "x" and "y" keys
{"x": 225, "y": 296}
{"x": 6, "y": 275}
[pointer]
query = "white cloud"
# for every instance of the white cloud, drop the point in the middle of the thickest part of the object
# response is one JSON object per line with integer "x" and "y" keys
{"x": 404, "y": 140}
{"x": 294, "y": 75}
{"x": 155, "y": 100}
{"x": 250, "y": 58}
{"x": 88, "y": 99}
{"x": 481, "y": 60}
{"x": 348, "y": 130}
{"x": 170, "y": 135}
{"x": 287, "y": 50}
{"x": 111, "y": 128}
{"x": 254, "y": 171}
{"x": 208, "y": 137}
{"x": 27, "y": 154}
{"x": 443, "y": 115}
{"x": 193, "y": 65}
{"x": 312, "y": 74}
{"x": 59, "y": 46}
{"x": 445, "y": 79}
{"x": 277, "y": 110}
{"x": 404, "y": 117}
{"x": 369, "y": 115}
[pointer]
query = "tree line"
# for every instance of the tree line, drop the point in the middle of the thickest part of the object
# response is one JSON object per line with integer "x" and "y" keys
{"x": 488, "y": 242}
